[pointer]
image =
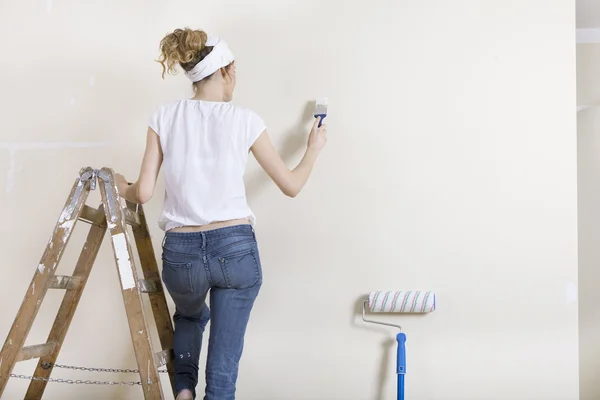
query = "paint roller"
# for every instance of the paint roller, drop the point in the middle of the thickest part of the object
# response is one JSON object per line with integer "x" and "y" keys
{"x": 399, "y": 301}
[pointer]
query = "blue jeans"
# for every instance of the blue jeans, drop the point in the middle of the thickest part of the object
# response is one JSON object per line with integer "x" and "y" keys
{"x": 226, "y": 262}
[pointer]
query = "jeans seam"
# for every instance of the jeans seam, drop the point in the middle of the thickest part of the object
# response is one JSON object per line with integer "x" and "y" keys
{"x": 225, "y": 271}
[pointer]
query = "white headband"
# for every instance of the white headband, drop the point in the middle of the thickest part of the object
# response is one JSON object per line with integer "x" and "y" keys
{"x": 219, "y": 57}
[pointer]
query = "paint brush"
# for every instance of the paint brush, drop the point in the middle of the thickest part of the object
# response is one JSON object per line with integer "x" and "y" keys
{"x": 321, "y": 109}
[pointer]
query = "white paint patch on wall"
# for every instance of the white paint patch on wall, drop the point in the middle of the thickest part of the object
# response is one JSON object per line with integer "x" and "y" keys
{"x": 12, "y": 170}
{"x": 583, "y": 108}
{"x": 123, "y": 262}
{"x": 92, "y": 80}
{"x": 588, "y": 35}
{"x": 571, "y": 293}
{"x": 48, "y": 6}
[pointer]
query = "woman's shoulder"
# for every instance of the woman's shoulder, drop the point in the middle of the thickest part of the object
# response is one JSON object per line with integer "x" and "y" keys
{"x": 223, "y": 108}
{"x": 161, "y": 107}
{"x": 244, "y": 111}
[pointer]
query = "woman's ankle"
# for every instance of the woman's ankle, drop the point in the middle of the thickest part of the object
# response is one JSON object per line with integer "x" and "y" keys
{"x": 185, "y": 394}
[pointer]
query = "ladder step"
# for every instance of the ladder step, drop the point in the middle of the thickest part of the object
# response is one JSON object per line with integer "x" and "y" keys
{"x": 131, "y": 217}
{"x": 65, "y": 282}
{"x": 96, "y": 217}
{"x": 149, "y": 285}
{"x": 92, "y": 216}
{"x": 163, "y": 357}
{"x": 36, "y": 351}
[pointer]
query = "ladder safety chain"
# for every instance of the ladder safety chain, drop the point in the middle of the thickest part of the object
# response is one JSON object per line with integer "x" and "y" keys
{"x": 86, "y": 382}
{"x": 92, "y": 369}
{"x": 73, "y": 382}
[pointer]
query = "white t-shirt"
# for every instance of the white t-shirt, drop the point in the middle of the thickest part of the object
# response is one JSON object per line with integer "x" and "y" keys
{"x": 205, "y": 149}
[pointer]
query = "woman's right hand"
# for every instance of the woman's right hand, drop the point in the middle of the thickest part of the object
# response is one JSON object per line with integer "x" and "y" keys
{"x": 318, "y": 136}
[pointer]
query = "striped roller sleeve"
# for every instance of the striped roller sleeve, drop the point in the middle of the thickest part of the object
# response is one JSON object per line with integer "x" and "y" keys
{"x": 402, "y": 301}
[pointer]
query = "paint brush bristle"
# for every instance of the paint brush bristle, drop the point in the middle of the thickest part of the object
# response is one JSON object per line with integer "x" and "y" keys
{"x": 321, "y": 107}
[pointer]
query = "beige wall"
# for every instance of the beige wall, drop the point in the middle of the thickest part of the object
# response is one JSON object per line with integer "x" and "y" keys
{"x": 589, "y": 252}
{"x": 451, "y": 167}
{"x": 588, "y": 89}
{"x": 588, "y": 82}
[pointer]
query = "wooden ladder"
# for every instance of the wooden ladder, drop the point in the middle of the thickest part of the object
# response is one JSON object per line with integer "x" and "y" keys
{"x": 112, "y": 216}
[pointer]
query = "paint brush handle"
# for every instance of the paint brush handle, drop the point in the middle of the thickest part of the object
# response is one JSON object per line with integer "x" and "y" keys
{"x": 322, "y": 117}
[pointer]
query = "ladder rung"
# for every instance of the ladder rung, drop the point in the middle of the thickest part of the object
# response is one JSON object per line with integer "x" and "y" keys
{"x": 97, "y": 217}
{"x": 65, "y": 282}
{"x": 92, "y": 216}
{"x": 149, "y": 285}
{"x": 131, "y": 217}
{"x": 163, "y": 357}
{"x": 36, "y": 351}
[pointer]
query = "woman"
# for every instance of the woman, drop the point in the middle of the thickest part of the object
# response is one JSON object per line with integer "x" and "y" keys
{"x": 210, "y": 246}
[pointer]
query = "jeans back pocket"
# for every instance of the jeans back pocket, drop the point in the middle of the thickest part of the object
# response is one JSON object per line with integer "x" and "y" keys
{"x": 241, "y": 266}
{"x": 177, "y": 273}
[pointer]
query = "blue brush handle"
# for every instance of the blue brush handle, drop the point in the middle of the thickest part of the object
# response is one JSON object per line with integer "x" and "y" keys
{"x": 322, "y": 117}
{"x": 401, "y": 363}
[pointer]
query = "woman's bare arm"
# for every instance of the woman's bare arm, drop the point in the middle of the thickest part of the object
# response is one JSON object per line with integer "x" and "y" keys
{"x": 143, "y": 189}
{"x": 290, "y": 182}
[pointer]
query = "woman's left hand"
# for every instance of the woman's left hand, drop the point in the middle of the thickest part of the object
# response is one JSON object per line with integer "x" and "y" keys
{"x": 121, "y": 183}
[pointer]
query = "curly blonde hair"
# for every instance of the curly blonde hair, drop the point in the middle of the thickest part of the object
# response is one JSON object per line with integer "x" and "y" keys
{"x": 184, "y": 47}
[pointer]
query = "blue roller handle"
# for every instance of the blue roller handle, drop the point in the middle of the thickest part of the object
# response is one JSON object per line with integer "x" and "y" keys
{"x": 322, "y": 117}
{"x": 401, "y": 363}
